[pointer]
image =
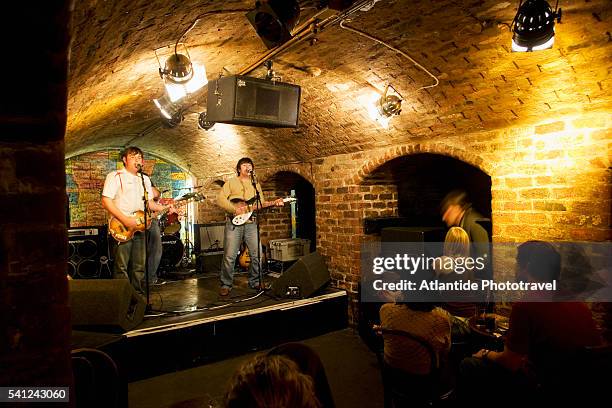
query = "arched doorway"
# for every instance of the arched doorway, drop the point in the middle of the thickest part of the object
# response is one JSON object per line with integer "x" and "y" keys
{"x": 406, "y": 192}
{"x": 414, "y": 185}
{"x": 302, "y": 213}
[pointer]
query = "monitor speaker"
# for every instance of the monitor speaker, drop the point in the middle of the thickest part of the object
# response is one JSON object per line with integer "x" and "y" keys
{"x": 109, "y": 304}
{"x": 306, "y": 276}
{"x": 88, "y": 253}
{"x": 243, "y": 100}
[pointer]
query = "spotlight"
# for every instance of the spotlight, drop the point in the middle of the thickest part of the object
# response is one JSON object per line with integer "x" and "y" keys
{"x": 534, "y": 26}
{"x": 389, "y": 104}
{"x": 178, "y": 69}
{"x": 168, "y": 110}
{"x": 274, "y": 19}
{"x": 181, "y": 77}
{"x": 203, "y": 122}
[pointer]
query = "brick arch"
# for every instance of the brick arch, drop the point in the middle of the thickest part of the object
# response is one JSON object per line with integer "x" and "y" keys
{"x": 406, "y": 150}
{"x": 267, "y": 173}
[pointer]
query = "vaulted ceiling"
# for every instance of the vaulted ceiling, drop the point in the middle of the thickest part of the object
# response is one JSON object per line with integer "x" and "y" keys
{"x": 466, "y": 44}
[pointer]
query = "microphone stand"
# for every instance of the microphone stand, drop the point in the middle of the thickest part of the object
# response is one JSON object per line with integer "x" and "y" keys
{"x": 258, "y": 206}
{"x": 145, "y": 199}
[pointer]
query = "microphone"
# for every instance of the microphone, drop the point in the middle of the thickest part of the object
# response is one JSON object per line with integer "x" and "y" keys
{"x": 139, "y": 167}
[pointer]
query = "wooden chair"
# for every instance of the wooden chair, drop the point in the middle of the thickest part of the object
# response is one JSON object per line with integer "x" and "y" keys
{"x": 402, "y": 389}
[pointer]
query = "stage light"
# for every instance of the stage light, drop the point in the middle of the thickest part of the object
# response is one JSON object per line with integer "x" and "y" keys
{"x": 180, "y": 75}
{"x": 167, "y": 109}
{"x": 274, "y": 19}
{"x": 534, "y": 26}
{"x": 389, "y": 104}
{"x": 204, "y": 123}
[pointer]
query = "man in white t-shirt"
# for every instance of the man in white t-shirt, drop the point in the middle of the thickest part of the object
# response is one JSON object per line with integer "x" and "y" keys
{"x": 123, "y": 195}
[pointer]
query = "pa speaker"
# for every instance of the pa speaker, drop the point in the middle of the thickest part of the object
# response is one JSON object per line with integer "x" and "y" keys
{"x": 110, "y": 304}
{"x": 242, "y": 100}
{"x": 306, "y": 276}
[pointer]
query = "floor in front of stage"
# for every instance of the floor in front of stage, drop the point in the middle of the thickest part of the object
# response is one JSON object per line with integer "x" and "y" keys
{"x": 351, "y": 369}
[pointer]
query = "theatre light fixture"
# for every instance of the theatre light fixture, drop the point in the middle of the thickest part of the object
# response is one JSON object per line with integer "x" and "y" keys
{"x": 170, "y": 111}
{"x": 180, "y": 75}
{"x": 533, "y": 26}
{"x": 390, "y": 104}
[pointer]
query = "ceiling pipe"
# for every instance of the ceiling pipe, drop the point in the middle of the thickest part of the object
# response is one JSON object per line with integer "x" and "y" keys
{"x": 304, "y": 32}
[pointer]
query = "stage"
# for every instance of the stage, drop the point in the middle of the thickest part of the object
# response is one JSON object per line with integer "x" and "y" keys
{"x": 190, "y": 325}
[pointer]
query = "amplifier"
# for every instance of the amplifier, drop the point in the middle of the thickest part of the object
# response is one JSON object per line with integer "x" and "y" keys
{"x": 88, "y": 253}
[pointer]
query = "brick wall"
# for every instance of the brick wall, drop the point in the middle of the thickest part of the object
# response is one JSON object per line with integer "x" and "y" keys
{"x": 550, "y": 181}
{"x": 34, "y": 314}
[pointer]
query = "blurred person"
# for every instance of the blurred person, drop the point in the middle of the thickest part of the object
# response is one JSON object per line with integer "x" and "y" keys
{"x": 270, "y": 381}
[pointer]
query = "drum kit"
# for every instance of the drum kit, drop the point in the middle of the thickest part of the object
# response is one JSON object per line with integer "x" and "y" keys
{"x": 174, "y": 251}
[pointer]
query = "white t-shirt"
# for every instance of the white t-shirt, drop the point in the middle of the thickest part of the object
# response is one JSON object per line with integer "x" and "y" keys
{"x": 125, "y": 189}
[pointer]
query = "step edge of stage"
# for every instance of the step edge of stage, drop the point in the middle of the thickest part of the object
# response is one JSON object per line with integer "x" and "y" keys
{"x": 282, "y": 306}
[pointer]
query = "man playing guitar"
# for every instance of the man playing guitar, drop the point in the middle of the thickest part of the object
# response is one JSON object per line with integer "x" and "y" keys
{"x": 233, "y": 198}
{"x": 122, "y": 196}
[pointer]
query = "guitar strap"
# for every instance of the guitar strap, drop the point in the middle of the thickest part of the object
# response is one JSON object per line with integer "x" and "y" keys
{"x": 120, "y": 183}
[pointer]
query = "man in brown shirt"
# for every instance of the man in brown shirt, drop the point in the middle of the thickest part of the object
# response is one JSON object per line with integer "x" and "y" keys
{"x": 233, "y": 198}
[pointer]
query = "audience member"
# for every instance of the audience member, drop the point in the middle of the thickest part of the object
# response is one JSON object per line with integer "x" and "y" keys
{"x": 270, "y": 381}
{"x": 542, "y": 335}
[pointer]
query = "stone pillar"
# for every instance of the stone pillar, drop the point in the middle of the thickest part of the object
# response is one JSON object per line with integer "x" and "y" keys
{"x": 34, "y": 315}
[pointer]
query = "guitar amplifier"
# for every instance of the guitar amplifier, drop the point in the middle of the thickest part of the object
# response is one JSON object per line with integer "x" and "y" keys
{"x": 288, "y": 249}
{"x": 88, "y": 253}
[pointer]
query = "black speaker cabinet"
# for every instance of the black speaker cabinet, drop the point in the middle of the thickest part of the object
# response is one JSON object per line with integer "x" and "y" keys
{"x": 88, "y": 253}
{"x": 209, "y": 262}
{"x": 243, "y": 100}
{"x": 306, "y": 276}
{"x": 110, "y": 304}
{"x": 412, "y": 234}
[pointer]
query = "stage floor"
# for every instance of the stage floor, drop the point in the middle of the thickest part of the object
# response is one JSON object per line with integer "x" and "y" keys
{"x": 197, "y": 299}
{"x": 190, "y": 325}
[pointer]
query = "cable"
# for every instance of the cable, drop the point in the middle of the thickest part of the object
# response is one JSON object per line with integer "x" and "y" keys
{"x": 206, "y": 14}
{"x": 356, "y": 31}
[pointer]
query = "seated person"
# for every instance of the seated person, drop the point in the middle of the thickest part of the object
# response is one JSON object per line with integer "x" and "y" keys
{"x": 270, "y": 381}
{"x": 422, "y": 320}
{"x": 456, "y": 246}
{"x": 541, "y": 334}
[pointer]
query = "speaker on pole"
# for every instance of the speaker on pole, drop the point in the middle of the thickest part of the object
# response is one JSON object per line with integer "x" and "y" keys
{"x": 110, "y": 304}
{"x": 306, "y": 276}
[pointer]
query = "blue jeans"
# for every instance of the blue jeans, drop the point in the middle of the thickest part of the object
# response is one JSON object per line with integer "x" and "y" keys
{"x": 154, "y": 249}
{"x": 233, "y": 238}
{"x": 130, "y": 260}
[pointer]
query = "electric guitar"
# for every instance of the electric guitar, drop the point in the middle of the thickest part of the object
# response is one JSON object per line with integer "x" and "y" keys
{"x": 243, "y": 218}
{"x": 244, "y": 258}
{"x": 121, "y": 233}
